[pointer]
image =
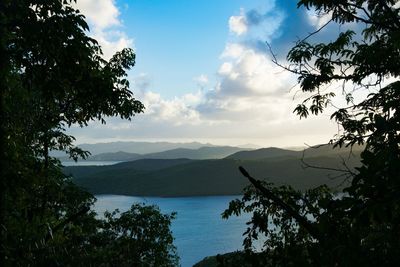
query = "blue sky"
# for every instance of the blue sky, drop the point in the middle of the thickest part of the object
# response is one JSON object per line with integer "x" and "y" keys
{"x": 178, "y": 40}
{"x": 204, "y": 72}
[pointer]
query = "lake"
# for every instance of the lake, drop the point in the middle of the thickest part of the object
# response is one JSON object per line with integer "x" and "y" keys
{"x": 199, "y": 230}
{"x": 88, "y": 163}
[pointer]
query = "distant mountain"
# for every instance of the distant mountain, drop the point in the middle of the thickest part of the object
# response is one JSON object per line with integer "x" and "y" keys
{"x": 151, "y": 164}
{"x": 138, "y": 147}
{"x": 182, "y": 177}
{"x": 295, "y": 148}
{"x": 250, "y": 146}
{"x": 328, "y": 150}
{"x": 216, "y": 152}
{"x": 264, "y": 153}
{"x": 117, "y": 156}
{"x": 123, "y": 167}
{"x": 112, "y": 156}
{"x": 279, "y": 153}
{"x": 132, "y": 147}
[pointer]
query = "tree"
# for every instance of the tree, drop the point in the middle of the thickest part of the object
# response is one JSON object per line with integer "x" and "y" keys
{"x": 360, "y": 227}
{"x": 141, "y": 236}
{"x": 52, "y": 75}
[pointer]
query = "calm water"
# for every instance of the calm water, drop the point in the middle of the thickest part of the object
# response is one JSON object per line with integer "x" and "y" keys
{"x": 199, "y": 230}
{"x": 88, "y": 163}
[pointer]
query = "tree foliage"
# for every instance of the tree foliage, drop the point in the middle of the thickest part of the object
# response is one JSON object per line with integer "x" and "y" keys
{"x": 52, "y": 76}
{"x": 359, "y": 227}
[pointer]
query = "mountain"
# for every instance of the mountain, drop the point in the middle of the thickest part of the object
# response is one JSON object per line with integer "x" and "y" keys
{"x": 138, "y": 147}
{"x": 116, "y": 156}
{"x": 216, "y": 152}
{"x": 264, "y": 153}
{"x": 328, "y": 150}
{"x": 123, "y": 167}
{"x": 183, "y": 177}
{"x": 316, "y": 151}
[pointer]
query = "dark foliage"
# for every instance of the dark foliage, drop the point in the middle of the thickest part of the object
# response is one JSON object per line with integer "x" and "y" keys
{"x": 52, "y": 75}
{"x": 361, "y": 226}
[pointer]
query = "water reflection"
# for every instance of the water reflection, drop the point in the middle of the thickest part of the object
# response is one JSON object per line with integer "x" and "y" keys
{"x": 199, "y": 230}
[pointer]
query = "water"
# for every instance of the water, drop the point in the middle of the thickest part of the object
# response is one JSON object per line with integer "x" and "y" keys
{"x": 199, "y": 230}
{"x": 88, "y": 163}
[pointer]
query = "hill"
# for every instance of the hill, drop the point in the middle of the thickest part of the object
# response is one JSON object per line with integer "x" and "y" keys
{"x": 215, "y": 152}
{"x": 183, "y": 177}
{"x": 264, "y": 153}
{"x": 116, "y": 156}
{"x": 316, "y": 151}
{"x": 132, "y": 147}
{"x": 135, "y": 147}
{"x": 122, "y": 168}
{"x": 328, "y": 150}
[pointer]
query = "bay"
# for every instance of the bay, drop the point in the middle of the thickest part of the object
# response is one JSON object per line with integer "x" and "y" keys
{"x": 199, "y": 229}
{"x": 88, "y": 163}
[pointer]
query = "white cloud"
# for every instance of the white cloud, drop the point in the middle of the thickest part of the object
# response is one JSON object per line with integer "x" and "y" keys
{"x": 104, "y": 22}
{"x": 141, "y": 82}
{"x": 101, "y": 14}
{"x": 251, "y": 73}
{"x": 250, "y": 100}
{"x": 225, "y": 69}
{"x": 112, "y": 41}
{"x": 238, "y": 24}
{"x": 318, "y": 20}
{"x": 233, "y": 50}
{"x": 201, "y": 80}
{"x": 177, "y": 111}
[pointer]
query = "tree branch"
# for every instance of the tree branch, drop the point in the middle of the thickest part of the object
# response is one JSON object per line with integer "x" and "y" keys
{"x": 304, "y": 222}
{"x": 394, "y": 16}
{"x": 61, "y": 225}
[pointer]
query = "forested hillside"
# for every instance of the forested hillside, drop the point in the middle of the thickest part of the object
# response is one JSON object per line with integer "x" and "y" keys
{"x": 184, "y": 177}
{"x": 204, "y": 152}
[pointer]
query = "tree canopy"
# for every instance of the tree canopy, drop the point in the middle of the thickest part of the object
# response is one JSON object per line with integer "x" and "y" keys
{"x": 52, "y": 76}
{"x": 360, "y": 226}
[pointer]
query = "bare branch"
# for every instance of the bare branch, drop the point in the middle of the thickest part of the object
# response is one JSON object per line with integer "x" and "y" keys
{"x": 62, "y": 224}
{"x": 304, "y": 222}
{"x": 316, "y": 31}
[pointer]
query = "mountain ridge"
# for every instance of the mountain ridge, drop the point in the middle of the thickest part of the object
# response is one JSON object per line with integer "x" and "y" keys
{"x": 185, "y": 177}
{"x": 204, "y": 152}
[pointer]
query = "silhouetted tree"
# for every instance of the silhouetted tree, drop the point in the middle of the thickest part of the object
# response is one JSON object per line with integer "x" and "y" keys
{"x": 361, "y": 226}
{"x": 52, "y": 76}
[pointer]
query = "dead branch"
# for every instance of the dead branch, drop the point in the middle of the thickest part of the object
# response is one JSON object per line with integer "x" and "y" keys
{"x": 304, "y": 222}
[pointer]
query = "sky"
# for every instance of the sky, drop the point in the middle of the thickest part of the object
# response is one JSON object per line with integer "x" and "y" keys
{"x": 204, "y": 72}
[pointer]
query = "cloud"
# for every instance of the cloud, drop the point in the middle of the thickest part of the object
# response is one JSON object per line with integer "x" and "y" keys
{"x": 250, "y": 86}
{"x": 318, "y": 20}
{"x": 258, "y": 23}
{"x": 232, "y": 50}
{"x": 101, "y": 14}
{"x": 141, "y": 82}
{"x": 238, "y": 24}
{"x": 177, "y": 111}
{"x": 201, "y": 80}
{"x": 250, "y": 73}
{"x": 105, "y": 24}
{"x": 250, "y": 100}
{"x": 112, "y": 41}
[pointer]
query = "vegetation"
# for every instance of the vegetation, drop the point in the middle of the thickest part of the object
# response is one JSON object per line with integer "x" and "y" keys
{"x": 52, "y": 75}
{"x": 359, "y": 227}
{"x": 234, "y": 258}
{"x": 138, "y": 147}
{"x": 184, "y": 177}
{"x": 204, "y": 152}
